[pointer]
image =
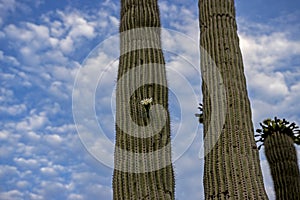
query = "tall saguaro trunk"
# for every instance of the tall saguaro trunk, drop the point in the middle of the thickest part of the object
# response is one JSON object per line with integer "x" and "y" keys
{"x": 143, "y": 165}
{"x": 232, "y": 169}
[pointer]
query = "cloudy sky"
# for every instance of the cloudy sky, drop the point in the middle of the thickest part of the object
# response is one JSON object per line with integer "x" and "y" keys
{"x": 48, "y": 48}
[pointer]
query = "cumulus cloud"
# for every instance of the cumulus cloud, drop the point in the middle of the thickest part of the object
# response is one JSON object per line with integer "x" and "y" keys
{"x": 13, "y": 109}
{"x": 8, "y": 170}
{"x": 33, "y": 136}
{"x": 6, "y": 95}
{"x": 271, "y": 67}
{"x": 48, "y": 171}
{"x": 33, "y": 40}
{"x": 78, "y": 26}
{"x": 26, "y": 163}
{"x": 267, "y": 52}
{"x": 186, "y": 20}
{"x": 30, "y": 33}
{"x": 12, "y": 194}
{"x": 48, "y": 49}
{"x": 38, "y": 144}
{"x": 33, "y": 122}
{"x": 271, "y": 70}
{"x": 53, "y": 139}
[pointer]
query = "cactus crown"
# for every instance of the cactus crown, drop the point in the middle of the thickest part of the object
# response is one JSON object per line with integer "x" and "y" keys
{"x": 269, "y": 127}
{"x": 200, "y": 115}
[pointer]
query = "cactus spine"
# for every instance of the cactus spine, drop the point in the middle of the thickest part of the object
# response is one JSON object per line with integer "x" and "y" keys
{"x": 278, "y": 137}
{"x": 232, "y": 169}
{"x": 143, "y": 166}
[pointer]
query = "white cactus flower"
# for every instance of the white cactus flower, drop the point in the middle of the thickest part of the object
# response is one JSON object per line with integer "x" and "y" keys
{"x": 146, "y": 101}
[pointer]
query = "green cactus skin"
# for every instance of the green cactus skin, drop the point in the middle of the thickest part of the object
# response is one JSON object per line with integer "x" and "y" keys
{"x": 282, "y": 158}
{"x": 232, "y": 168}
{"x": 158, "y": 182}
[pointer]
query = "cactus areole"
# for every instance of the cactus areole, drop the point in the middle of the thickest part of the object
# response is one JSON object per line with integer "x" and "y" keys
{"x": 142, "y": 161}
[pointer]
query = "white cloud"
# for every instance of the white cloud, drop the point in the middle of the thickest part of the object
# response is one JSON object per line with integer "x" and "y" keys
{"x": 53, "y": 190}
{"x": 269, "y": 86}
{"x": 33, "y": 196}
{"x": 44, "y": 47}
{"x": 48, "y": 171}
{"x": 73, "y": 196}
{"x": 53, "y": 139}
{"x": 65, "y": 128}
{"x": 33, "y": 136}
{"x": 8, "y": 135}
{"x": 26, "y": 150}
{"x": 22, "y": 184}
{"x": 114, "y": 21}
{"x": 66, "y": 45}
{"x": 6, "y": 152}
{"x": 41, "y": 31}
{"x": 57, "y": 89}
{"x": 65, "y": 34}
{"x": 33, "y": 122}
{"x": 14, "y": 109}
{"x": 4, "y": 135}
{"x": 82, "y": 28}
{"x": 56, "y": 27}
{"x": 12, "y": 194}
{"x": 6, "y": 95}
{"x": 271, "y": 68}
{"x": 32, "y": 34}
{"x": 267, "y": 52}
{"x": 26, "y": 163}
{"x": 85, "y": 177}
{"x": 70, "y": 28}
{"x": 7, "y": 170}
{"x": 186, "y": 20}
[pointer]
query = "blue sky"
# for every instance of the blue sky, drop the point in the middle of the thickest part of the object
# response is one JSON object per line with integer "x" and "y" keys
{"x": 44, "y": 44}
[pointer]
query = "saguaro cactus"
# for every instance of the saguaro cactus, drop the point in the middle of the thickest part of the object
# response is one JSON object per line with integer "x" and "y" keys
{"x": 143, "y": 166}
{"x": 231, "y": 169}
{"x": 278, "y": 137}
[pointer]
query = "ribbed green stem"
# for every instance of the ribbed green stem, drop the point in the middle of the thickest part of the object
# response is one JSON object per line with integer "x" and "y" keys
{"x": 282, "y": 157}
{"x": 143, "y": 167}
{"x": 232, "y": 169}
